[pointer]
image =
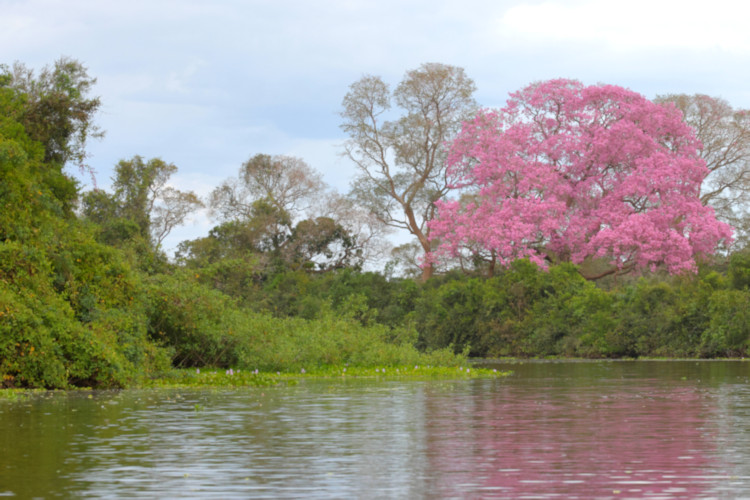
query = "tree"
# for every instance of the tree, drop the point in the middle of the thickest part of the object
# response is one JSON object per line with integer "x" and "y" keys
{"x": 143, "y": 199}
{"x": 269, "y": 240}
{"x": 367, "y": 236}
{"x": 260, "y": 206}
{"x": 286, "y": 182}
{"x": 55, "y": 109}
{"x": 322, "y": 244}
{"x": 251, "y": 240}
{"x": 58, "y": 111}
{"x": 303, "y": 222}
{"x": 173, "y": 209}
{"x": 402, "y": 162}
{"x": 566, "y": 172}
{"x": 72, "y": 311}
{"x": 724, "y": 134}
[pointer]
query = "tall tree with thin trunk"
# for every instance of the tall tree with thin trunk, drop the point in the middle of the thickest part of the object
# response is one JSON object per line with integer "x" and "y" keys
{"x": 401, "y": 158}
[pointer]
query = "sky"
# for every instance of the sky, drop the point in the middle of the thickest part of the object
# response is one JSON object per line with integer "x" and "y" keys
{"x": 206, "y": 84}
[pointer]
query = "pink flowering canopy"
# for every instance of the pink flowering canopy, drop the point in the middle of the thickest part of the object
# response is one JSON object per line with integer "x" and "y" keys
{"x": 567, "y": 172}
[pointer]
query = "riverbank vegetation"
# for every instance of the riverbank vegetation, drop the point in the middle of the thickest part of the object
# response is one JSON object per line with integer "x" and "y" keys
{"x": 88, "y": 298}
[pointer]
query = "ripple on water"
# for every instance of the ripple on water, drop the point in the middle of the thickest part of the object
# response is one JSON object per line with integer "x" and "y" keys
{"x": 542, "y": 433}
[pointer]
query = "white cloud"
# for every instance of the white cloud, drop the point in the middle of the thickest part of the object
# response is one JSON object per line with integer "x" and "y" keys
{"x": 207, "y": 84}
{"x": 633, "y": 24}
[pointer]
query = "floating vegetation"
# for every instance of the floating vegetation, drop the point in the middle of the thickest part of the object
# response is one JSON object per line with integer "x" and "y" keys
{"x": 208, "y": 377}
{"x": 416, "y": 372}
{"x": 253, "y": 378}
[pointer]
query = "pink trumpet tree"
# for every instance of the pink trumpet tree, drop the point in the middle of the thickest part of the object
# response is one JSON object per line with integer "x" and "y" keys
{"x": 567, "y": 172}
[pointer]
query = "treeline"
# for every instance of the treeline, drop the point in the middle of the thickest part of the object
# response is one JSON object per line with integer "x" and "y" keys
{"x": 527, "y": 312}
{"x": 88, "y": 297}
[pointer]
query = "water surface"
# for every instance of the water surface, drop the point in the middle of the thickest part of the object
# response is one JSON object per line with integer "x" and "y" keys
{"x": 552, "y": 430}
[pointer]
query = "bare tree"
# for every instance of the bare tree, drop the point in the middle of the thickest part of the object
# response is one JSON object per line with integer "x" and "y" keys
{"x": 725, "y": 135}
{"x": 285, "y": 182}
{"x": 402, "y": 161}
{"x": 172, "y": 210}
{"x": 369, "y": 235}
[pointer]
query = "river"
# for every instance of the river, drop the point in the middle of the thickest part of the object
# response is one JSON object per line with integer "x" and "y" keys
{"x": 616, "y": 429}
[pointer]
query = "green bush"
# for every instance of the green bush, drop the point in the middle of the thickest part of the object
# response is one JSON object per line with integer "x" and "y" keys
{"x": 739, "y": 270}
{"x": 728, "y": 331}
{"x": 72, "y": 315}
{"x": 205, "y": 328}
{"x": 293, "y": 344}
{"x": 199, "y": 325}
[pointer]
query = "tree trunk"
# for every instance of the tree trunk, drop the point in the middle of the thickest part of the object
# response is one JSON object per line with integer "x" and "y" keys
{"x": 427, "y": 272}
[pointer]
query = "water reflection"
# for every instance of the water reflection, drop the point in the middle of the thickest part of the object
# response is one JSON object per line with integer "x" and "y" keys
{"x": 635, "y": 442}
{"x": 669, "y": 430}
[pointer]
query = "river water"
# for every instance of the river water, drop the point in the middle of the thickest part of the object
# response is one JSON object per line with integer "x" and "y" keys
{"x": 668, "y": 429}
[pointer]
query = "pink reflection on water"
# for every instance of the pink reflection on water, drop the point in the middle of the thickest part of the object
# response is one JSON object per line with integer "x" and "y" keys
{"x": 638, "y": 442}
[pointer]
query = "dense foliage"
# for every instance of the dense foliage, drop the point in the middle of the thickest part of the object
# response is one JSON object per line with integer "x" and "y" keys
{"x": 71, "y": 309}
{"x": 87, "y": 298}
{"x": 526, "y": 311}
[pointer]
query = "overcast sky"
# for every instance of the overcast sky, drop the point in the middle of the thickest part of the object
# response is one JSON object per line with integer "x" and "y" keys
{"x": 207, "y": 84}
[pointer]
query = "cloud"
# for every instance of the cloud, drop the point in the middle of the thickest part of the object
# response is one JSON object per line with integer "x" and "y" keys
{"x": 206, "y": 84}
{"x": 632, "y": 25}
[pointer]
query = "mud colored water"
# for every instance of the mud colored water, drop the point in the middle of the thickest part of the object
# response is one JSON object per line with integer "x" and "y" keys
{"x": 553, "y": 430}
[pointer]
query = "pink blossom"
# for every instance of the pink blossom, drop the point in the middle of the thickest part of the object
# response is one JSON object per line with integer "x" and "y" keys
{"x": 569, "y": 172}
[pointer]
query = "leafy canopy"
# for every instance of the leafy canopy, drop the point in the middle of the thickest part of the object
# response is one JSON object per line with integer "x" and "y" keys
{"x": 567, "y": 172}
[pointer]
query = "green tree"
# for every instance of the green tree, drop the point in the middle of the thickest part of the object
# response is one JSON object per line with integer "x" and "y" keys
{"x": 71, "y": 310}
{"x": 269, "y": 239}
{"x": 55, "y": 108}
{"x": 322, "y": 244}
{"x": 58, "y": 110}
{"x": 401, "y": 162}
{"x": 141, "y": 199}
{"x": 276, "y": 203}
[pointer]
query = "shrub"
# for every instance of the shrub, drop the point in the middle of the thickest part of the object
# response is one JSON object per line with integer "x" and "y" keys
{"x": 728, "y": 331}
{"x": 201, "y": 326}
